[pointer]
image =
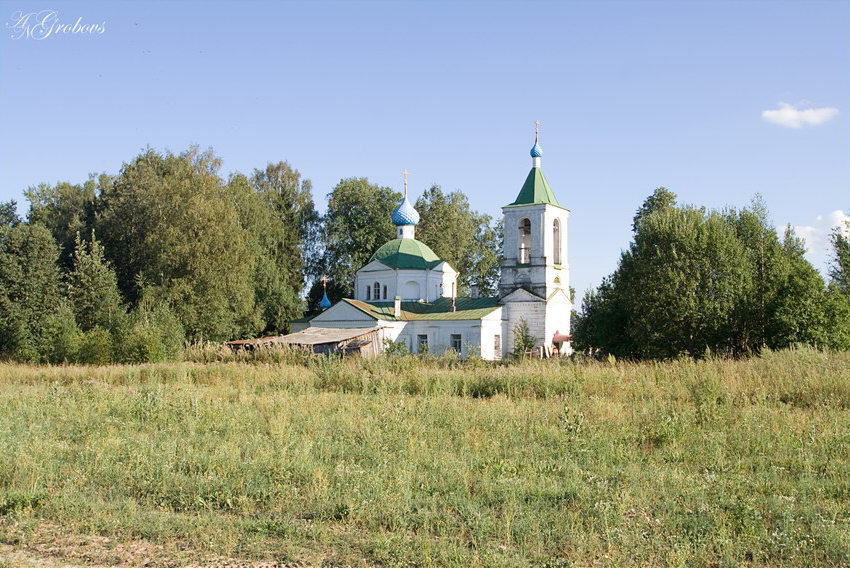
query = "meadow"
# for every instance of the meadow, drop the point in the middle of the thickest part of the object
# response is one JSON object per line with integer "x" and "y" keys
{"x": 398, "y": 461}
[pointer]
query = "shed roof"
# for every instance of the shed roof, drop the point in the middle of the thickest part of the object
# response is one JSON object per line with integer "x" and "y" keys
{"x": 320, "y": 335}
{"x": 309, "y": 336}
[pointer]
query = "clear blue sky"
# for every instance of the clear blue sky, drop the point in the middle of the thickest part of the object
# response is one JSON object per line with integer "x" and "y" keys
{"x": 631, "y": 96}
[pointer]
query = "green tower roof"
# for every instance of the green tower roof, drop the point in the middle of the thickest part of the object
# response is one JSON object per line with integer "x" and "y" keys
{"x": 535, "y": 190}
{"x": 406, "y": 254}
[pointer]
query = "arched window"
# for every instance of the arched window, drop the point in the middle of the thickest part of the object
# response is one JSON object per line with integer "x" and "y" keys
{"x": 385, "y": 291}
{"x": 556, "y": 241}
{"x": 524, "y": 241}
{"x": 377, "y": 293}
{"x": 368, "y": 293}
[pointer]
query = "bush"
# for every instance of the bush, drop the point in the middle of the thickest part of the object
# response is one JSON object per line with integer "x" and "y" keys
{"x": 523, "y": 339}
{"x": 65, "y": 337}
{"x": 151, "y": 336}
{"x": 95, "y": 347}
{"x": 395, "y": 347}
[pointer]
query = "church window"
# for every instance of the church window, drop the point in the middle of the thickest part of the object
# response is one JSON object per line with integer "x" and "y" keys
{"x": 524, "y": 241}
{"x": 368, "y": 293}
{"x": 377, "y": 292}
{"x": 556, "y": 241}
{"x": 422, "y": 343}
{"x": 456, "y": 342}
{"x": 385, "y": 291}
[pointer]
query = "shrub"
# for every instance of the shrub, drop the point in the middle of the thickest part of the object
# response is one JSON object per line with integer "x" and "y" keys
{"x": 95, "y": 347}
{"x": 151, "y": 335}
{"x": 523, "y": 339}
{"x": 65, "y": 337}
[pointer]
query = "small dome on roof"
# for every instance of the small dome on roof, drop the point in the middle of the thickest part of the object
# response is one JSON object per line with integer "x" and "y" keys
{"x": 405, "y": 214}
{"x": 325, "y": 303}
{"x": 536, "y": 151}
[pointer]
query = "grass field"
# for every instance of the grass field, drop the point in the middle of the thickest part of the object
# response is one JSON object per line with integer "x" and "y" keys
{"x": 401, "y": 462}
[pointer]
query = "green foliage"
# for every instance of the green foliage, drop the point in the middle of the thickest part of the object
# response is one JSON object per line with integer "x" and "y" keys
{"x": 662, "y": 198}
{"x": 95, "y": 347}
{"x": 839, "y": 271}
{"x": 64, "y": 336}
{"x": 29, "y": 292}
{"x": 8, "y": 215}
{"x": 356, "y": 224}
{"x": 153, "y": 333}
{"x": 167, "y": 223}
{"x": 524, "y": 341}
{"x": 92, "y": 288}
{"x": 65, "y": 210}
{"x": 277, "y": 211}
{"x": 393, "y": 348}
{"x": 696, "y": 281}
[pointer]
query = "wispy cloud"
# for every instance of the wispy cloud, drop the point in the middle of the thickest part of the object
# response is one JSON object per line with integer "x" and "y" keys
{"x": 818, "y": 244}
{"x": 795, "y": 117}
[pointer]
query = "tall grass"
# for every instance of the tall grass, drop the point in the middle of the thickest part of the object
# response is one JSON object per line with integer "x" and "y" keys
{"x": 435, "y": 462}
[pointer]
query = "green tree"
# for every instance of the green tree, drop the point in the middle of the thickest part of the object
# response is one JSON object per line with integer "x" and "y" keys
{"x": 800, "y": 312}
{"x": 694, "y": 280}
{"x": 66, "y": 209}
{"x": 9, "y": 215}
{"x": 661, "y": 198}
{"x": 282, "y": 218}
{"x": 29, "y": 292}
{"x": 93, "y": 288}
{"x": 356, "y": 224}
{"x": 839, "y": 271}
{"x": 170, "y": 228}
{"x": 152, "y": 333}
{"x": 524, "y": 340}
{"x": 465, "y": 239}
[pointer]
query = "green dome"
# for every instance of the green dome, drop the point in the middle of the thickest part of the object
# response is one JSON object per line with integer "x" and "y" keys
{"x": 406, "y": 254}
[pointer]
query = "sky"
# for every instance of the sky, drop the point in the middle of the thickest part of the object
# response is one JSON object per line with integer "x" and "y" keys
{"x": 717, "y": 101}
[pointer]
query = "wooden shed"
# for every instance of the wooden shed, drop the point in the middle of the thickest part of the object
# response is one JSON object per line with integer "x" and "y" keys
{"x": 361, "y": 340}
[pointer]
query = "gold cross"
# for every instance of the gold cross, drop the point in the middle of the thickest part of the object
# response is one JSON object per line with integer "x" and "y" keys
{"x": 324, "y": 282}
{"x": 405, "y": 182}
{"x": 536, "y": 129}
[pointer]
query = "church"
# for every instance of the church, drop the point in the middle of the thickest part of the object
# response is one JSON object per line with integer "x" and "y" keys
{"x": 407, "y": 294}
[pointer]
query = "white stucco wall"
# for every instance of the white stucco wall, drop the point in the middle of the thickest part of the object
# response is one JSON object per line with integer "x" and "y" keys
{"x": 540, "y": 273}
{"x": 432, "y": 284}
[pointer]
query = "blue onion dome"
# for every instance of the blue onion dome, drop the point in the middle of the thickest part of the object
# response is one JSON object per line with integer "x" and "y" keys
{"x": 324, "y": 303}
{"x": 536, "y": 151}
{"x": 405, "y": 214}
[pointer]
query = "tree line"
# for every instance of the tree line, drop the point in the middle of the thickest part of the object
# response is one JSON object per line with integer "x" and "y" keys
{"x": 696, "y": 281}
{"x": 129, "y": 267}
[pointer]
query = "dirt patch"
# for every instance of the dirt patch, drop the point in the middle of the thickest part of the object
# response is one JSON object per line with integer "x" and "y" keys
{"x": 48, "y": 546}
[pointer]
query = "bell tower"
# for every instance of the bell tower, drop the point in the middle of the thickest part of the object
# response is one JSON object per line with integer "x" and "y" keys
{"x": 535, "y": 247}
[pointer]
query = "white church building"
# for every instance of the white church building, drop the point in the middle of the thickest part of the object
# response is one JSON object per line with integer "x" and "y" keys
{"x": 408, "y": 293}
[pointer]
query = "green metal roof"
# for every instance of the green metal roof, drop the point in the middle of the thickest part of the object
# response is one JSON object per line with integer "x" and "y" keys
{"x": 406, "y": 254}
{"x": 535, "y": 190}
{"x": 465, "y": 309}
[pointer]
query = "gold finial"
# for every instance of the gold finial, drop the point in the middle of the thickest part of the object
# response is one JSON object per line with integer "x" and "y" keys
{"x": 536, "y": 130}
{"x": 404, "y": 172}
{"x": 324, "y": 282}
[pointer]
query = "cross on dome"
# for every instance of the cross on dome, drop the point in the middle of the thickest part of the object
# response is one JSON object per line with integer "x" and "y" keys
{"x": 536, "y": 150}
{"x": 405, "y": 214}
